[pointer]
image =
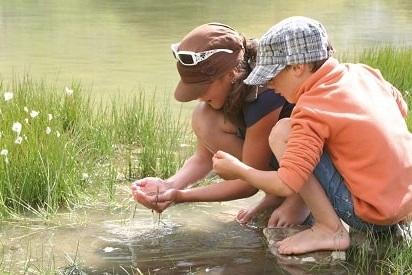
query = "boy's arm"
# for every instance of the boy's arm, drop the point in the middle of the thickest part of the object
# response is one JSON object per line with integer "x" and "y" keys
{"x": 402, "y": 105}
{"x": 230, "y": 167}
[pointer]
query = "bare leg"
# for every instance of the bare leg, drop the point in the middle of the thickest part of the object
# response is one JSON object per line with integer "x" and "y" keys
{"x": 293, "y": 210}
{"x": 214, "y": 132}
{"x": 328, "y": 233}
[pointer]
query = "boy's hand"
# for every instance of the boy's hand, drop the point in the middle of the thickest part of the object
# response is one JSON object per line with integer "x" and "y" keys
{"x": 227, "y": 166}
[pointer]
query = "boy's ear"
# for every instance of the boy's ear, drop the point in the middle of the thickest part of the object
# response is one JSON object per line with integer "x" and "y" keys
{"x": 299, "y": 69}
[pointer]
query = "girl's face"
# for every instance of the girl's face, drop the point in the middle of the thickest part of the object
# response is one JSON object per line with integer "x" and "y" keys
{"x": 215, "y": 96}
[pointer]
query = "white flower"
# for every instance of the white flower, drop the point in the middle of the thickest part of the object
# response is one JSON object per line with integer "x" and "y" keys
{"x": 184, "y": 145}
{"x": 4, "y": 152}
{"x": 26, "y": 120}
{"x": 120, "y": 176}
{"x": 57, "y": 134}
{"x": 25, "y": 137}
{"x": 69, "y": 92}
{"x": 8, "y": 96}
{"x": 34, "y": 113}
{"x": 16, "y": 127}
{"x": 18, "y": 140}
{"x": 50, "y": 116}
{"x": 26, "y": 109}
{"x": 109, "y": 249}
{"x": 85, "y": 176}
{"x": 48, "y": 130}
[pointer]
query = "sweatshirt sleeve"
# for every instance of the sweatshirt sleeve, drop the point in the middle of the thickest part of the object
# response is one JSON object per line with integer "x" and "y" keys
{"x": 304, "y": 148}
{"x": 397, "y": 95}
{"x": 403, "y": 107}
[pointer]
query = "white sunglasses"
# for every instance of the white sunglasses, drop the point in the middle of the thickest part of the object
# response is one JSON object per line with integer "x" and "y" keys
{"x": 189, "y": 58}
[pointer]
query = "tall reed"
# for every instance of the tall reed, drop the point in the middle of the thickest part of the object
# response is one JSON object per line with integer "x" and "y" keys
{"x": 156, "y": 138}
{"x": 55, "y": 144}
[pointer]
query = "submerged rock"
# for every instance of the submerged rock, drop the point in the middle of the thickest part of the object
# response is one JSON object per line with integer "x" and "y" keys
{"x": 359, "y": 241}
{"x": 274, "y": 235}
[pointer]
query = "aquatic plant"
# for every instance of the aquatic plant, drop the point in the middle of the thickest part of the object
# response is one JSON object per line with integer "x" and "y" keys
{"x": 39, "y": 165}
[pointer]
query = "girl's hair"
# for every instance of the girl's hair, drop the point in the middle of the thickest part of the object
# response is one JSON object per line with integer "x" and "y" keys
{"x": 236, "y": 99}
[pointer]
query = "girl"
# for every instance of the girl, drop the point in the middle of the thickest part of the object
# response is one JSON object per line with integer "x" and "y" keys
{"x": 212, "y": 61}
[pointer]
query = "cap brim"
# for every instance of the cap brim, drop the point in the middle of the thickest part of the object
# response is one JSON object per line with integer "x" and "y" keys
{"x": 185, "y": 92}
{"x": 263, "y": 73}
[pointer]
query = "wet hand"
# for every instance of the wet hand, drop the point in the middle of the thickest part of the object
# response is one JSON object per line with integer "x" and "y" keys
{"x": 143, "y": 191}
{"x": 150, "y": 185}
{"x": 169, "y": 196}
{"x": 149, "y": 200}
{"x": 226, "y": 165}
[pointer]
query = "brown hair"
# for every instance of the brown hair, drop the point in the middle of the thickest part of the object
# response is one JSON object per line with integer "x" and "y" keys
{"x": 234, "y": 103}
{"x": 317, "y": 64}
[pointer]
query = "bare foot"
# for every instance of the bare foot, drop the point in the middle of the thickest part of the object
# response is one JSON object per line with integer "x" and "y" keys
{"x": 292, "y": 211}
{"x": 318, "y": 237}
{"x": 268, "y": 201}
{"x": 286, "y": 217}
{"x": 246, "y": 215}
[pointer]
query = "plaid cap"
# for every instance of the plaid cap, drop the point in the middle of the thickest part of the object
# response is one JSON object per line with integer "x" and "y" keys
{"x": 295, "y": 40}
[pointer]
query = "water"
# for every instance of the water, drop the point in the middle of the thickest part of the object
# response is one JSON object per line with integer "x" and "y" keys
{"x": 201, "y": 238}
{"x": 121, "y": 46}
{"x": 198, "y": 239}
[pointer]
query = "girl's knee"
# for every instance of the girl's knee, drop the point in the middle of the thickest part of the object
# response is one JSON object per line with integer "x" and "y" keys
{"x": 208, "y": 123}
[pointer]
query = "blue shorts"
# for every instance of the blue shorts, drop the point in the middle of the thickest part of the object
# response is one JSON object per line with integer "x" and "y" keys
{"x": 340, "y": 197}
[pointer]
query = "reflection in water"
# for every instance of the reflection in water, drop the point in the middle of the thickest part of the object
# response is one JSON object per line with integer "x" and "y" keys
{"x": 198, "y": 238}
{"x": 190, "y": 240}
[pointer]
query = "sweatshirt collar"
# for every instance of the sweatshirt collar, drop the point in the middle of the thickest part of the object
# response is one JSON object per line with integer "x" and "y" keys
{"x": 313, "y": 80}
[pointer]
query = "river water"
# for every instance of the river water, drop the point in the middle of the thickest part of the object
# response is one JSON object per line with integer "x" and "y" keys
{"x": 121, "y": 46}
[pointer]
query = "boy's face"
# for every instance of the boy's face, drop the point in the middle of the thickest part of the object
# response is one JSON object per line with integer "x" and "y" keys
{"x": 288, "y": 81}
{"x": 284, "y": 84}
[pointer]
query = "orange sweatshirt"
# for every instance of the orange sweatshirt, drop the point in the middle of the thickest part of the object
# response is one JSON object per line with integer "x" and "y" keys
{"x": 359, "y": 118}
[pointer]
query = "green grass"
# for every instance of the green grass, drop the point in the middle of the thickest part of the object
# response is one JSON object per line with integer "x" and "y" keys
{"x": 67, "y": 145}
{"x": 395, "y": 65}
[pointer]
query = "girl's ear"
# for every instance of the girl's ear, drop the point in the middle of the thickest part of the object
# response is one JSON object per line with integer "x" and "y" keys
{"x": 231, "y": 75}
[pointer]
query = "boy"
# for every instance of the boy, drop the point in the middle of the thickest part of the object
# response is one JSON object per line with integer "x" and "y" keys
{"x": 346, "y": 148}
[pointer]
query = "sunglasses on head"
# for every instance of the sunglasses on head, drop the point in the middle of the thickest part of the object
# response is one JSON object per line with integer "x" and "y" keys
{"x": 189, "y": 58}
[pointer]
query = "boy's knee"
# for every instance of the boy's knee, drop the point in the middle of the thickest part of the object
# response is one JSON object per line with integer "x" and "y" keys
{"x": 279, "y": 135}
{"x": 280, "y": 131}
